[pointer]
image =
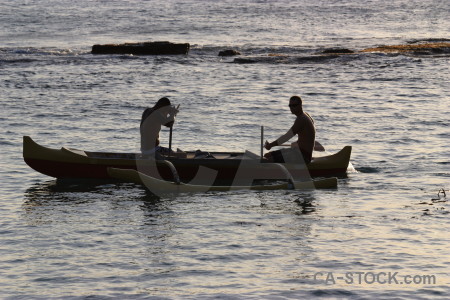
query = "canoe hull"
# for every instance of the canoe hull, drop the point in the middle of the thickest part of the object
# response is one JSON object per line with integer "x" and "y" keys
{"x": 70, "y": 163}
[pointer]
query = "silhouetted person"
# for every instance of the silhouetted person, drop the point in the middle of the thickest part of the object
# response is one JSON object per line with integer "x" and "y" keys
{"x": 152, "y": 121}
{"x": 303, "y": 127}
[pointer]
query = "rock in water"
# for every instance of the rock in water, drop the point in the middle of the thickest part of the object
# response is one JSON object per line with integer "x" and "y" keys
{"x": 337, "y": 51}
{"x": 426, "y": 48}
{"x": 229, "y": 53}
{"x": 146, "y": 48}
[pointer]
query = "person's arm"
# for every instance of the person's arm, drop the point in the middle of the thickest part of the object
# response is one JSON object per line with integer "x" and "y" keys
{"x": 285, "y": 137}
{"x": 170, "y": 118}
{"x": 281, "y": 140}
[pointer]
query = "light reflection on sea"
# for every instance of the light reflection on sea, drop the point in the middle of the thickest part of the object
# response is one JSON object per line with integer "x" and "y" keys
{"x": 77, "y": 239}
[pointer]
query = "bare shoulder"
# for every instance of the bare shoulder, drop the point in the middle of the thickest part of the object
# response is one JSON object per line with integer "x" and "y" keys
{"x": 302, "y": 121}
{"x": 304, "y": 118}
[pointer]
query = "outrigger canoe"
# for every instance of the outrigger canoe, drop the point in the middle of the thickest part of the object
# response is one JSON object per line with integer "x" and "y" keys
{"x": 158, "y": 186}
{"x": 73, "y": 163}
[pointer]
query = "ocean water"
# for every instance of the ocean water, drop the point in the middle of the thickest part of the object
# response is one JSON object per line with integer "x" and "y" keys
{"x": 382, "y": 234}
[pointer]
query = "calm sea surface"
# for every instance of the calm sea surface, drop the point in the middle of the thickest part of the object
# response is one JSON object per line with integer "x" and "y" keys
{"x": 383, "y": 234}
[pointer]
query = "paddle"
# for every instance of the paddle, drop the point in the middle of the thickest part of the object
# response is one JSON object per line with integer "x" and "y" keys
{"x": 170, "y": 140}
{"x": 170, "y": 134}
{"x": 317, "y": 146}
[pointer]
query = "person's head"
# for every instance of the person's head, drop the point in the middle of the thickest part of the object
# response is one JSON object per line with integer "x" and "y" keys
{"x": 162, "y": 106}
{"x": 295, "y": 104}
{"x": 161, "y": 103}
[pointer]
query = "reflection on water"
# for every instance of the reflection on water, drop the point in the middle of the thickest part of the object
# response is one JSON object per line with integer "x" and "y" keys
{"x": 47, "y": 199}
{"x": 66, "y": 189}
{"x": 106, "y": 240}
{"x": 208, "y": 242}
{"x": 202, "y": 242}
{"x": 99, "y": 233}
{"x": 306, "y": 204}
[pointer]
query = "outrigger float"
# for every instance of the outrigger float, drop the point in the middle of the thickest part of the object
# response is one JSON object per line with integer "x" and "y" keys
{"x": 74, "y": 163}
{"x": 158, "y": 186}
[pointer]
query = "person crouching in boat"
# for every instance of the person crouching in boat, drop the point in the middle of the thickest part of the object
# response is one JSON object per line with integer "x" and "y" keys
{"x": 306, "y": 131}
{"x": 163, "y": 113}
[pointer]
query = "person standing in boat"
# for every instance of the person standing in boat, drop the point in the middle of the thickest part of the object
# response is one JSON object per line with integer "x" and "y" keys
{"x": 306, "y": 131}
{"x": 163, "y": 113}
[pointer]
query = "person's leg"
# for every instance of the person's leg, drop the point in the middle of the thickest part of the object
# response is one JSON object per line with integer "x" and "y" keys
{"x": 275, "y": 156}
